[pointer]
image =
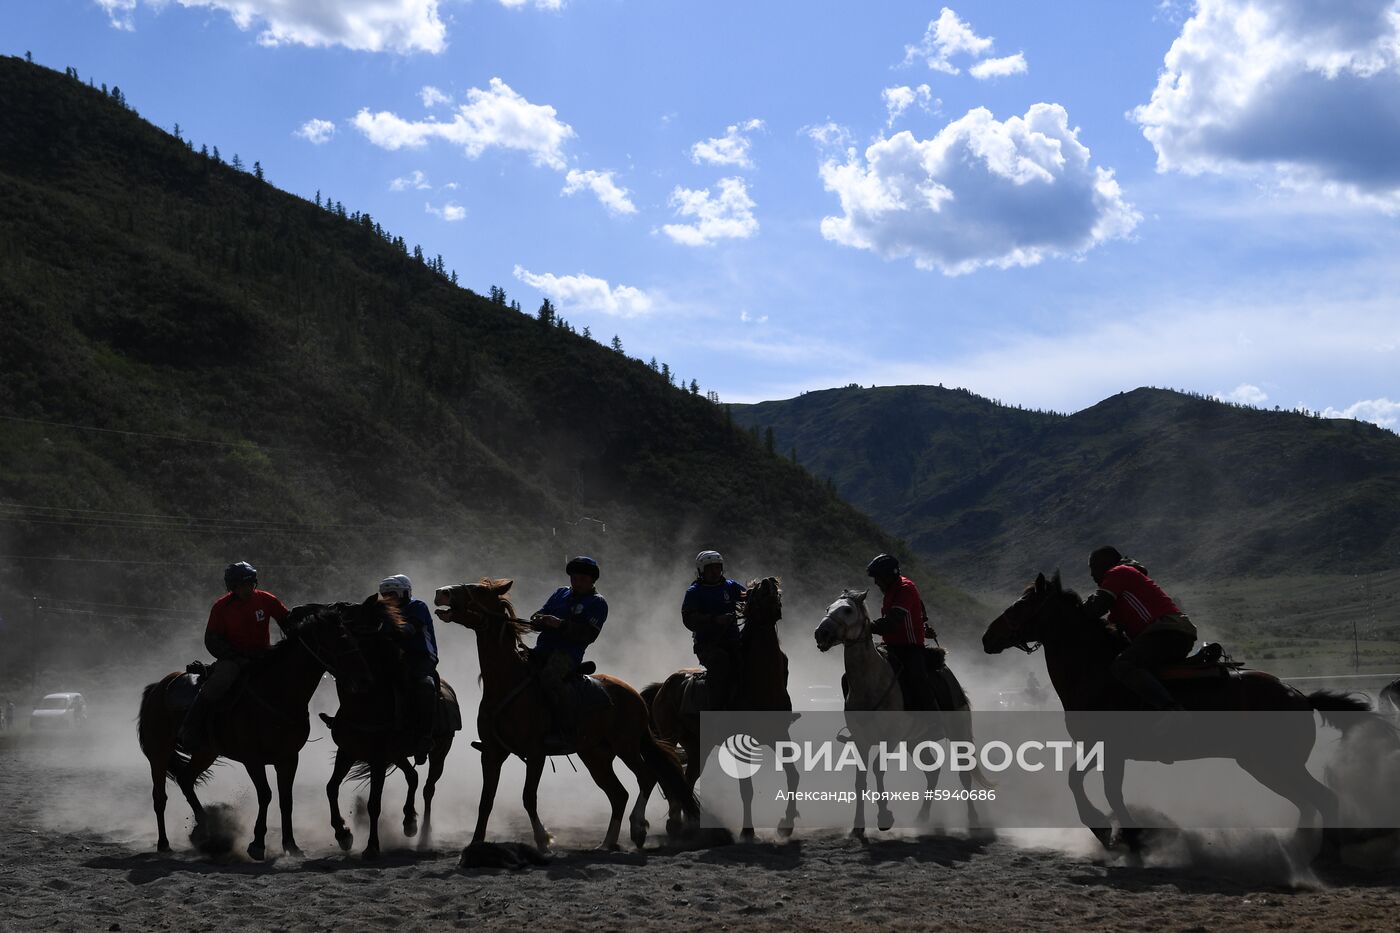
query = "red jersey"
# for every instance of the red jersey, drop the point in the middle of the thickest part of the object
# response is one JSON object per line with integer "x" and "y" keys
{"x": 905, "y": 595}
{"x": 1138, "y": 601}
{"x": 243, "y": 622}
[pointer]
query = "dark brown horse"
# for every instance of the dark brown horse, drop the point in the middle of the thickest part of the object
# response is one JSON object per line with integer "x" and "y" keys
{"x": 514, "y": 718}
{"x": 1078, "y": 651}
{"x": 762, "y": 686}
{"x": 263, "y": 721}
{"x": 369, "y": 737}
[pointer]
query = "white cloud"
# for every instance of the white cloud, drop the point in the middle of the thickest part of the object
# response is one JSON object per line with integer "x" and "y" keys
{"x": 316, "y": 132}
{"x": 498, "y": 117}
{"x": 541, "y": 4}
{"x": 1381, "y": 411}
{"x": 1245, "y": 394}
{"x": 603, "y": 187}
{"x": 730, "y": 149}
{"x": 449, "y": 211}
{"x": 362, "y": 25}
{"x": 414, "y": 179}
{"x": 729, "y": 215}
{"x": 899, "y": 99}
{"x": 948, "y": 37}
{"x": 999, "y": 67}
{"x": 1300, "y": 91}
{"x": 746, "y": 318}
{"x": 588, "y": 293}
{"x": 979, "y": 193}
{"x": 829, "y": 135}
{"x": 432, "y": 96}
{"x": 945, "y": 37}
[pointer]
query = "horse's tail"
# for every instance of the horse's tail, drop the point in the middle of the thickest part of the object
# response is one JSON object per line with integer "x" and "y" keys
{"x": 361, "y": 771}
{"x": 1328, "y": 702}
{"x": 663, "y": 759}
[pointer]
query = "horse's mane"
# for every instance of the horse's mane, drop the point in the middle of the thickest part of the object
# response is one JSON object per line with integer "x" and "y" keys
{"x": 512, "y": 622}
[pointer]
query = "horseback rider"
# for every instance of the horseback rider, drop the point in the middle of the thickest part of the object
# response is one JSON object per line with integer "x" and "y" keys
{"x": 569, "y": 622}
{"x": 236, "y": 633}
{"x": 1158, "y": 632}
{"x": 710, "y": 611}
{"x": 901, "y": 627}
{"x": 420, "y": 660}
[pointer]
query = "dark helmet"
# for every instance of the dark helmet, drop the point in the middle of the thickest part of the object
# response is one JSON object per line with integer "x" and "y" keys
{"x": 240, "y": 572}
{"x": 582, "y": 564}
{"x": 885, "y": 565}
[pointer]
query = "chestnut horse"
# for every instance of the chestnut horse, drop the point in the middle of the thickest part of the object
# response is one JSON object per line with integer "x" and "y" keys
{"x": 264, "y": 721}
{"x": 514, "y": 718}
{"x": 1078, "y": 651}
{"x": 367, "y": 737}
{"x": 762, "y": 686}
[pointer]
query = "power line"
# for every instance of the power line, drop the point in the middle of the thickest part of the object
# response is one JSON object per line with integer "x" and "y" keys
{"x": 161, "y": 563}
{"x": 164, "y": 437}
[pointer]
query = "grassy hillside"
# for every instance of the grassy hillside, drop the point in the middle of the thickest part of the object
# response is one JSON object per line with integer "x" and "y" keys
{"x": 1195, "y": 488}
{"x": 198, "y": 367}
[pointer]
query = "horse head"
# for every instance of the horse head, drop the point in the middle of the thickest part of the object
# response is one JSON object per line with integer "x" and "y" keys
{"x": 846, "y": 620}
{"x": 325, "y": 632}
{"x": 1030, "y": 621}
{"x": 477, "y": 606}
{"x": 764, "y": 605}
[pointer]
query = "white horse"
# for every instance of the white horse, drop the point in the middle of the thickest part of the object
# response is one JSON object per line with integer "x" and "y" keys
{"x": 873, "y": 686}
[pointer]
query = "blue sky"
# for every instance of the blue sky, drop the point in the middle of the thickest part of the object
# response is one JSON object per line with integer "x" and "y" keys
{"x": 1046, "y": 203}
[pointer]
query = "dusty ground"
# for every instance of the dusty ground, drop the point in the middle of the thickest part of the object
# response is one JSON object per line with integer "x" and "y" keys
{"x": 78, "y": 854}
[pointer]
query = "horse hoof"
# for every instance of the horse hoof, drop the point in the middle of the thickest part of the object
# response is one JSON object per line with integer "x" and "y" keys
{"x": 1103, "y": 834}
{"x": 293, "y": 850}
{"x": 256, "y": 851}
{"x": 675, "y": 828}
{"x": 639, "y": 834}
{"x": 746, "y": 834}
{"x": 410, "y": 828}
{"x": 163, "y": 845}
{"x": 858, "y": 833}
{"x": 371, "y": 854}
{"x": 885, "y": 821}
{"x": 1132, "y": 838}
{"x": 602, "y": 847}
{"x": 345, "y": 838}
{"x": 785, "y": 830}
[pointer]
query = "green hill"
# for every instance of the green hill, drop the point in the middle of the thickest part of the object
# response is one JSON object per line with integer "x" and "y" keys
{"x": 1194, "y": 487}
{"x": 198, "y": 367}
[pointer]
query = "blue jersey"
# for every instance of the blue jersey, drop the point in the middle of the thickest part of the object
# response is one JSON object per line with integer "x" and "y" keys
{"x": 714, "y": 600}
{"x": 423, "y": 642}
{"x": 564, "y": 604}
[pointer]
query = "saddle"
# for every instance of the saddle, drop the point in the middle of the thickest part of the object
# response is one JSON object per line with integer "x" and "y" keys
{"x": 946, "y": 688}
{"x": 181, "y": 691}
{"x": 1210, "y": 663}
{"x": 589, "y": 692}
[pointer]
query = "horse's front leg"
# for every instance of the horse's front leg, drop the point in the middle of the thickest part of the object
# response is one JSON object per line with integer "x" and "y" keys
{"x": 746, "y": 799}
{"x": 534, "y": 768}
{"x": 1113, "y": 768}
{"x": 884, "y": 816}
{"x": 286, "y": 779}
{"x": 410, "y": 815}
{"x": 974, "y": 821}
{"x": 858, "y": 827}
{"x": 1089, "y": 815}
{"x": 789, "y": 820}
{"x": 257, "y": 849}
{"x": 491, "y": 760}
{"x": 376, "y": 795}
{"x": 343, "y": 836}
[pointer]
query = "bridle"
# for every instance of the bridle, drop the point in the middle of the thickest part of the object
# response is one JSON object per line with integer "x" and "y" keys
{"x": 300, "y": 635}
{"x": 1026, "y": 645}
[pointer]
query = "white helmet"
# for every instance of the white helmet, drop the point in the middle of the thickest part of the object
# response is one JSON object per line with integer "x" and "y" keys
{"x": 399, "y": 585}
{"x": 705, "y": 559}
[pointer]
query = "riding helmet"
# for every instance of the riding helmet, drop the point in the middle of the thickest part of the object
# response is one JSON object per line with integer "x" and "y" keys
{"x": 705, "y": 559}
{"x": 240, "y": 572}
{"x": 883, "y": 566}
{"x": 399, "y": 585}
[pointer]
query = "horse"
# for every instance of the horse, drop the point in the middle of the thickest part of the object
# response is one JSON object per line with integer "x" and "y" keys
{"x": 513, "y": 719}
{"x": 1078, "y": 651}
{"x": 762, "y": 686}
{"x": 263, "y": 721}
{"x": 873, "y": 686}
{"x": 368, "y": 740}
{"x": 1390, "y": 698}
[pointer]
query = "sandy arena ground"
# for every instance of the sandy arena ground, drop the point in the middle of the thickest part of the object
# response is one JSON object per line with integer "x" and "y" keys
{"x": 79, "y": 854}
